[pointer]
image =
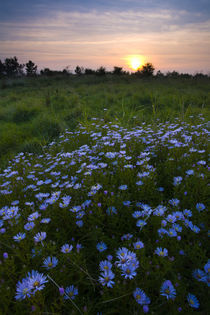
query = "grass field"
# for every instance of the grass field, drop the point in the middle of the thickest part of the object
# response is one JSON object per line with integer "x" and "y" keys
{"x": 107, "y": 212}
{"x": 33, "y": 111}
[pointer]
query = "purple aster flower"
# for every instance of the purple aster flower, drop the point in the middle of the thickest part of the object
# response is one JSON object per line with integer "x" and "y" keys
{"x": 19, "y": 237}
{"x": 192, "y": 300}
{"x": 29, "y": 226}
{"x": 39, "y": 237}
{"x": 71, "y": 291}
{"x": 141, "y": 297}
{"x": 105, "y": 265}
{"x": 199, "y": 275}
{"x": 123, "y": 187}
{"x": 50, "y": 262}
{"x": 23, "y": 289}
{"x": 128, "y": 271}
{"x": 138, "y": 245}
{"x": 66, "y": 248}
{"x": 37, "y": 280}
{"x": 167, "y": 290}
{"x": 101, "y": 246}
{"x": 161, "y": 252}
{"x": 200, "y": 207}
{"x": 106, "y": 278}
{"x": 33, "y": 216}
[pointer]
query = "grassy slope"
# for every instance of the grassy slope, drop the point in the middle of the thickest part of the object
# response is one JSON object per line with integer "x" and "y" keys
{"x": 34, "y": 111}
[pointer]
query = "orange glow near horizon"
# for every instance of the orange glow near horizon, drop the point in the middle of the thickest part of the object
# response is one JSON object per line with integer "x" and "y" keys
{"x": 135, "y": 62}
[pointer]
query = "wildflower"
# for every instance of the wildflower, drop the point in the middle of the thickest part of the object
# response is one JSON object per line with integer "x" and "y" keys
{"x": 128, "y": 271}
{"x": 161, "y": 252}
{"x": 174, "y": 202}
{"x": 200, "y": 207}
{"x": 105, "y": 265}
{"x": 101, "y": 246}
{"x": 29, "y": 226}
{"x": 71, "y": 291}
{"x": 207, "y": 267}
{"x": 106, "y": 278}
{"x": 141, "y": 297}
{"x": 19, "y": 237}
{"x": 123, "y": 187}
{"x": 79, "y": 223}
{"x": 111, "y": 210}
{"x": 192, "y": 300}
{"x": 138, "y": 245}
{"x": 66, "y": 248}
{"x": 167, "y": 290}
{"x": 33, "y": 216}
{"x": 5, "y": 255}
{"x": 40, "y": 236}
{"x": 36, "y": 280}
{"x": 61, "y": 291}
{"x": 45, "y": 220}
{"x": 141, "y": 223}
{"x": 177, "y": 180}
{"x": 23, "y": 289}
{"x": 50, "y": 262}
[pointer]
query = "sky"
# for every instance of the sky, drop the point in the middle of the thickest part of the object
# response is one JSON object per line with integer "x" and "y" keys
{"x": 171, "y": 34}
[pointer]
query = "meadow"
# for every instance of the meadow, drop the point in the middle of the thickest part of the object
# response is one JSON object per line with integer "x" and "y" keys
{"x": 104, "y": 196}
{"x": 33, "y": 111}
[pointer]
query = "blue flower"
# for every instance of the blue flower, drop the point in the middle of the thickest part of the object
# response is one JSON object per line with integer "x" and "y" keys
{"x": 192, "y": 300}
{"x": 19, "y": 237}
{"x": 174, "y": 202}
{"x": 39, "y": 237}
{"x": 105, "y": 265}
{"x": 177, "y": 180}
{"x": 23, "y": 289}
{"x": 71, "y": 291}
{"x": 161, "y": 252}
{"x": 167, "y": 289}
{"x": 207, "y": 267}
{"x": 66, "y": 248}
{"x": 45, "y": 220}
{"x": 37, "y": 280}
{"x": 138, "y": 245}
{"x": 200, "y": 207}
{"x": 128, "y": 271}
{"x": 29, "y": 226}
{"x": 101, "y": 246}
{"x": 33, "y": 216}
{"x": 123, "y": 187}
{"x": 50, "y": 262}
{"x": 111, "y": 210}
{"x": 106, "y": 278}
{"x": 141, "y": 223}
{"x": 141, "y": 297}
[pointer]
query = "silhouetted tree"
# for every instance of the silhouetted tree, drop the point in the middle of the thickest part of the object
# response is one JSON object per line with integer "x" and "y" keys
{"x": 2, "y": 69}
{"x": 13, "y": 67}
{"x": 159, "y": 74}
{"x": 89, "y": 71}
{"x": 147, "y": 70}
{"x": 79, "y": 70}
{"x": 118, "y": 70}
{"x": 46, "y": 71}
{"x": 172, "y": 74}
{"x": 31, "y": 68}
{"x": 101, "y": 71}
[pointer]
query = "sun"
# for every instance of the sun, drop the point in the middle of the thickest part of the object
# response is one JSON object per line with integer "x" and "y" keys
{"x": 135, "y": 62}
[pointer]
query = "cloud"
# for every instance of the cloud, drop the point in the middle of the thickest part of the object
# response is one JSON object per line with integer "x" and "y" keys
{"x": 167, "y": 38}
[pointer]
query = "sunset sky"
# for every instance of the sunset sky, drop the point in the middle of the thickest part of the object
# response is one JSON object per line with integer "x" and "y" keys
{"x": 172, "y": 34}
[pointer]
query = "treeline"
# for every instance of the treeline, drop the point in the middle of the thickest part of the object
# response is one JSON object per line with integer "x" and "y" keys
{"x": 11, "y": 67}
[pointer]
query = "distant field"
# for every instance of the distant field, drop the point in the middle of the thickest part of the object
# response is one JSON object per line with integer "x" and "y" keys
{"x": 33, "y": 111}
